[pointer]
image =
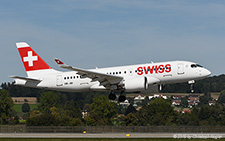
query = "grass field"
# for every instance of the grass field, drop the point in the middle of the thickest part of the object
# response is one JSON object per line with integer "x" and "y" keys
{"x": 18, "y": 107}
{"x": 102, "y": 139}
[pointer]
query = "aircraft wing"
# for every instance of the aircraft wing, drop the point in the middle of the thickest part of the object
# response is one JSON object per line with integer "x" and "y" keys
{"x": 26, "y": 78}
{"x": 104, "y": 79}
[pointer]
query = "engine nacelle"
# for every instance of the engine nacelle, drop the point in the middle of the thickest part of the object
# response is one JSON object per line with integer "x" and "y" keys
{"x": 136, "y": 83}
{"x": 140, "y": 83}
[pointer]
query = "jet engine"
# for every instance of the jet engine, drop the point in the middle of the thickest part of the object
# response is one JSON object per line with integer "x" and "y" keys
{"x": 140, "y": 83}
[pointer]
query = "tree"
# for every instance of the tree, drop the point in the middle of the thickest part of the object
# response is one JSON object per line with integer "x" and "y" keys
{"x": 130, "y": 109}
{"x": 102, "y": 111}
{"x": 45, "y": 119}
{"x": 34, "y": 113}
{"x": 189, "y": 119}
{"x": 158, "y": 112}
{"x": 72, "y": 110}
{"x": 221, "y": 98}
{"x": 25, "y": 108}
{"x": 6, "y": 104}
{"x": 205, "y": 99}
{"x": 184, "y": 101}
{"x": 87, "y": 107}
{"x": 131, "y": 119}
{"x": 47, "y": 101}
{"x": 146, "y": 101}
{"x": 89, "y": 121}
{"x": 211, "y": 84}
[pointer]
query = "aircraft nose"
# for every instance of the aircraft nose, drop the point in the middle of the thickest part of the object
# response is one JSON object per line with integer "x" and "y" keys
{"x": 206, "y": 72}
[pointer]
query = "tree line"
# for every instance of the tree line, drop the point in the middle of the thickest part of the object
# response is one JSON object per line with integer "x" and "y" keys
{"x": 103, "y": 112}
{"x": 58, "y": 108}
{"x": 211, "y": 84}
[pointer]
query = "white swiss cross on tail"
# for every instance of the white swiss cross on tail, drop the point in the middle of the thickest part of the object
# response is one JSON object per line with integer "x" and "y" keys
{"x": 30, "y": 58}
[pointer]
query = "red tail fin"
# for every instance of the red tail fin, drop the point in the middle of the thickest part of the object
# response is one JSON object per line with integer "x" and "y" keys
{"x": 31, "y": 60}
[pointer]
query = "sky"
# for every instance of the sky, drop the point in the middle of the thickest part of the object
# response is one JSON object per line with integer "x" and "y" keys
{"x": 104, "y": 33}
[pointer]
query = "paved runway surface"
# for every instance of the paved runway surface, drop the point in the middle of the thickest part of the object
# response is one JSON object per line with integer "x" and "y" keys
{"x": 112, "y": 135}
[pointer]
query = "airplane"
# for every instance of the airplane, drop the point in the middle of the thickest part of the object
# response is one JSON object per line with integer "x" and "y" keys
{"x": 130, "y": 78}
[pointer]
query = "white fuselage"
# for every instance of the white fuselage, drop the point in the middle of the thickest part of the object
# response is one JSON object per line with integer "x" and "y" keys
{"x": 155, "y": 74}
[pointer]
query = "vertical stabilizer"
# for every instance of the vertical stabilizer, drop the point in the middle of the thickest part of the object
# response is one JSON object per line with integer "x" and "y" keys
{"x": 32, "y": 62}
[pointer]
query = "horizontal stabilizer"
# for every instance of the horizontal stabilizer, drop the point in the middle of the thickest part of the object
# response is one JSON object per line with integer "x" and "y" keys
{"x": 26, "y": 78}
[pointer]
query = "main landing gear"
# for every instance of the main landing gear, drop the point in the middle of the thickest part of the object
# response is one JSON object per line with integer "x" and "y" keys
{"x": 121, "y": 98}
{"x": 112, "y": 96}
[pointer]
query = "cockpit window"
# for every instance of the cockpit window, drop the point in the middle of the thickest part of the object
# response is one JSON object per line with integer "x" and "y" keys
{"x": 193, "y": 65}
{"x": 196, "y": 65}
{"x": 199, "y": 66}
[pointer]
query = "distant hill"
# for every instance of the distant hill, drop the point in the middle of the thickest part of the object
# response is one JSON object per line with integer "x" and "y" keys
{"x": 211, "y": 84}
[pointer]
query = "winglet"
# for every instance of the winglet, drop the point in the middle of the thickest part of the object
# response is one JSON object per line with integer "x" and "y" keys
{"x": 59, "y": 62}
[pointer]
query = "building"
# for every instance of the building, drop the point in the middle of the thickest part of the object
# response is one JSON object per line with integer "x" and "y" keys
{"x": 84, "y": 113}
{"x": 212, "y": 102}
{"x": 22, "y": 100}
{"x": 176, "y": 102}
{"x": 139, "y": 99}
{"x": 186, "y": 110}
{"x": 125, "y": 103}
{"x": 193, "y": 100}
{"x": 157, "y": 96}
{"x": 176, "y": 97}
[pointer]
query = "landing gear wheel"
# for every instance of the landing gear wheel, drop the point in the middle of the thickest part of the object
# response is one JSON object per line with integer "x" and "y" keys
{"x": 112, "y": 96}
{"x": 192, "y": 90}
{"x": 122, "y": 98}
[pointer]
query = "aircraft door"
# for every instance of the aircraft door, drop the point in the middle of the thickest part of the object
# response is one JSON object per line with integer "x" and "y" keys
{"x": 180, "y": 68}
{"x": 59, "y": 80}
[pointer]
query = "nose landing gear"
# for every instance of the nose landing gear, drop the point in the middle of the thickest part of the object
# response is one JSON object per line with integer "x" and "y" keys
{"x": 191, "y": 83}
